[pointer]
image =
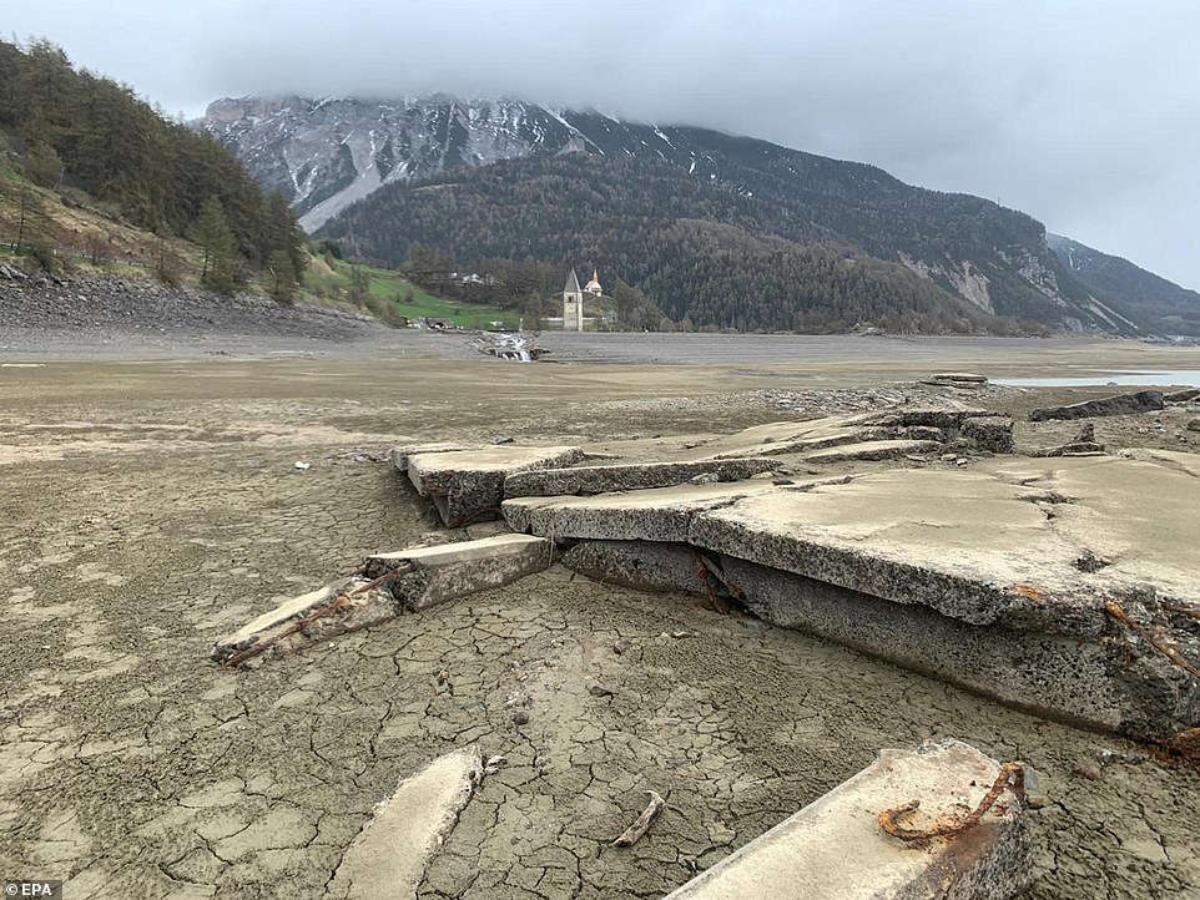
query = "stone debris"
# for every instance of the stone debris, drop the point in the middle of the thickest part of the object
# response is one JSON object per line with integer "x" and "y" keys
{"x": 835, "y": 847}
{"x": 389, "y": 857}
{"x": 1119, "y": 405}
{"x": 429, "y": 575}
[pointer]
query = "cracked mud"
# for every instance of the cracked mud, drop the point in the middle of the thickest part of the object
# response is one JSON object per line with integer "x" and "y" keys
{"x": 130, "y": 765}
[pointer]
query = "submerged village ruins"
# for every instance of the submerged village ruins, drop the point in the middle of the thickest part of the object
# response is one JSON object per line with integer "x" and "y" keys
{"x": 1065, "y": 585}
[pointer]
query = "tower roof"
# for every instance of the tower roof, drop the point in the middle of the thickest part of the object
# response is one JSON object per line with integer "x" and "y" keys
{"x": 572, "y": 283}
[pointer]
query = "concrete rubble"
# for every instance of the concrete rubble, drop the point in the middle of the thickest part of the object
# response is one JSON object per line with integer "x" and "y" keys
{"x": 388, "y": 858}
{"x": 388, "y": 584}
{"x": 835, "y": 847}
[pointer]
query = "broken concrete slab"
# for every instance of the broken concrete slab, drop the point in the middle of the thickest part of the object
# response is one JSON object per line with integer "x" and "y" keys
{"x": 1037, "y": 554}
{"x": 468, "y": 485}
{"x": 872, "y": 450}
{"x": 429, "y": 575}
{"x": 835, "y": 847}
{"x": 388, "y": 858}
{"x": 661, "y": 514}
{"x": 345, "y": 605}
{"x": 641, "y": 565}
{"x": 606, "y": 478}
{"x": 400, "y": 455}
{"x": 1119, "y": 405}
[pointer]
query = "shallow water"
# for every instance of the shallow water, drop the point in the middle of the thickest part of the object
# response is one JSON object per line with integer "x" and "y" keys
{"x": 1161, "y": 377}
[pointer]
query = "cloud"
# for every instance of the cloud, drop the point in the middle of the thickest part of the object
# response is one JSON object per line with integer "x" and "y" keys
{"x": 1080, "y": 112}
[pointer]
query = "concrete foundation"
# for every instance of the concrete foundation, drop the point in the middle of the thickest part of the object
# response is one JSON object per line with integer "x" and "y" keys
{"x": 835, "y": 847}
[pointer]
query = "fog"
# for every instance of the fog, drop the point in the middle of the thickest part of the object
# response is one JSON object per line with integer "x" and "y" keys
{"x": 1084, "y": 114}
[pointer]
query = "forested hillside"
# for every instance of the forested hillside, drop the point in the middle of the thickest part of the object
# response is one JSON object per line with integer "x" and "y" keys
{"x": 73, "y": 130}
{"x": 1164, "y": 305}
{"x": 703, "y": 252}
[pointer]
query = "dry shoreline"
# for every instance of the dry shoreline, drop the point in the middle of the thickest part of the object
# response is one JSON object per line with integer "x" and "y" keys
{"x": 149, "y": 505}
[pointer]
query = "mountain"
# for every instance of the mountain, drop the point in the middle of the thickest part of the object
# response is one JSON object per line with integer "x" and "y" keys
{"x": 1165, "y": 306}
{"x": 717, "y": 229}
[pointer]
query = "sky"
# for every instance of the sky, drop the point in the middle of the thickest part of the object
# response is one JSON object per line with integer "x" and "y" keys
{"x": 1083, "y": 113}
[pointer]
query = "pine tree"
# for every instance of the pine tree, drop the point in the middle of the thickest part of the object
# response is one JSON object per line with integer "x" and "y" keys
{"x": 283, "y": 276}
{"x": 214, "y": 236}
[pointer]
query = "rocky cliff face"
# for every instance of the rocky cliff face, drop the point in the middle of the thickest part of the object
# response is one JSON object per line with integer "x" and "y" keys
{"x": 325, "y": 155}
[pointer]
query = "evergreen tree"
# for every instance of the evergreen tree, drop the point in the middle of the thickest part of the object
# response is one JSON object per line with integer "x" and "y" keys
{"x": 283, "y": 276}
{"x": 215, "y": 238}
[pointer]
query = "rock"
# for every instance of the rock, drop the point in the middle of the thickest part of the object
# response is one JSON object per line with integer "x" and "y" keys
{"x": 809, "y": 856}
{"x": 600, "y": 690}
{"x": 431, "y": 575}
{"x": 1087, "y": 434}
{"x": 1118, "y": 405}
{"x": 302, "y": 466}
{"x": 389, "y": 856}
{"x": 520, "y": 717}
{"x": 1184, "y": 396}
{"x": 621, "y": 646}
{"x": 1194, "y": 425}
{"x": 1087, "y": 770}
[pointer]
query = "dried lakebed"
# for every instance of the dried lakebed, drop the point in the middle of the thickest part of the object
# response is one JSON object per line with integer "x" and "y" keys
{"x": 132, "y": 765}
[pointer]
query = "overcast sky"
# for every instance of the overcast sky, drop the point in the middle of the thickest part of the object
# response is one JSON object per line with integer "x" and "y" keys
{"x": 1084, "y": 113}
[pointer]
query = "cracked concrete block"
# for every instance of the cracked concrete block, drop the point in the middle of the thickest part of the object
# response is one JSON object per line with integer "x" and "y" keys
{"x": 468, "y": 485}
{"x": 599, "y": 479}
{"x": 872, "y": 450}
{"x": 640, "y": 565}
{"x": 1119, "y": 405}
{"x": 278, "y": 629}
{"x": 446, "y": 571}
{"x": 388, "y": 858}
{"x": 835, "y": 847}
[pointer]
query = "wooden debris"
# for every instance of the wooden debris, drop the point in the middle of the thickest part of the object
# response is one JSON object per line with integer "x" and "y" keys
{"x": 634, "y": 832}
